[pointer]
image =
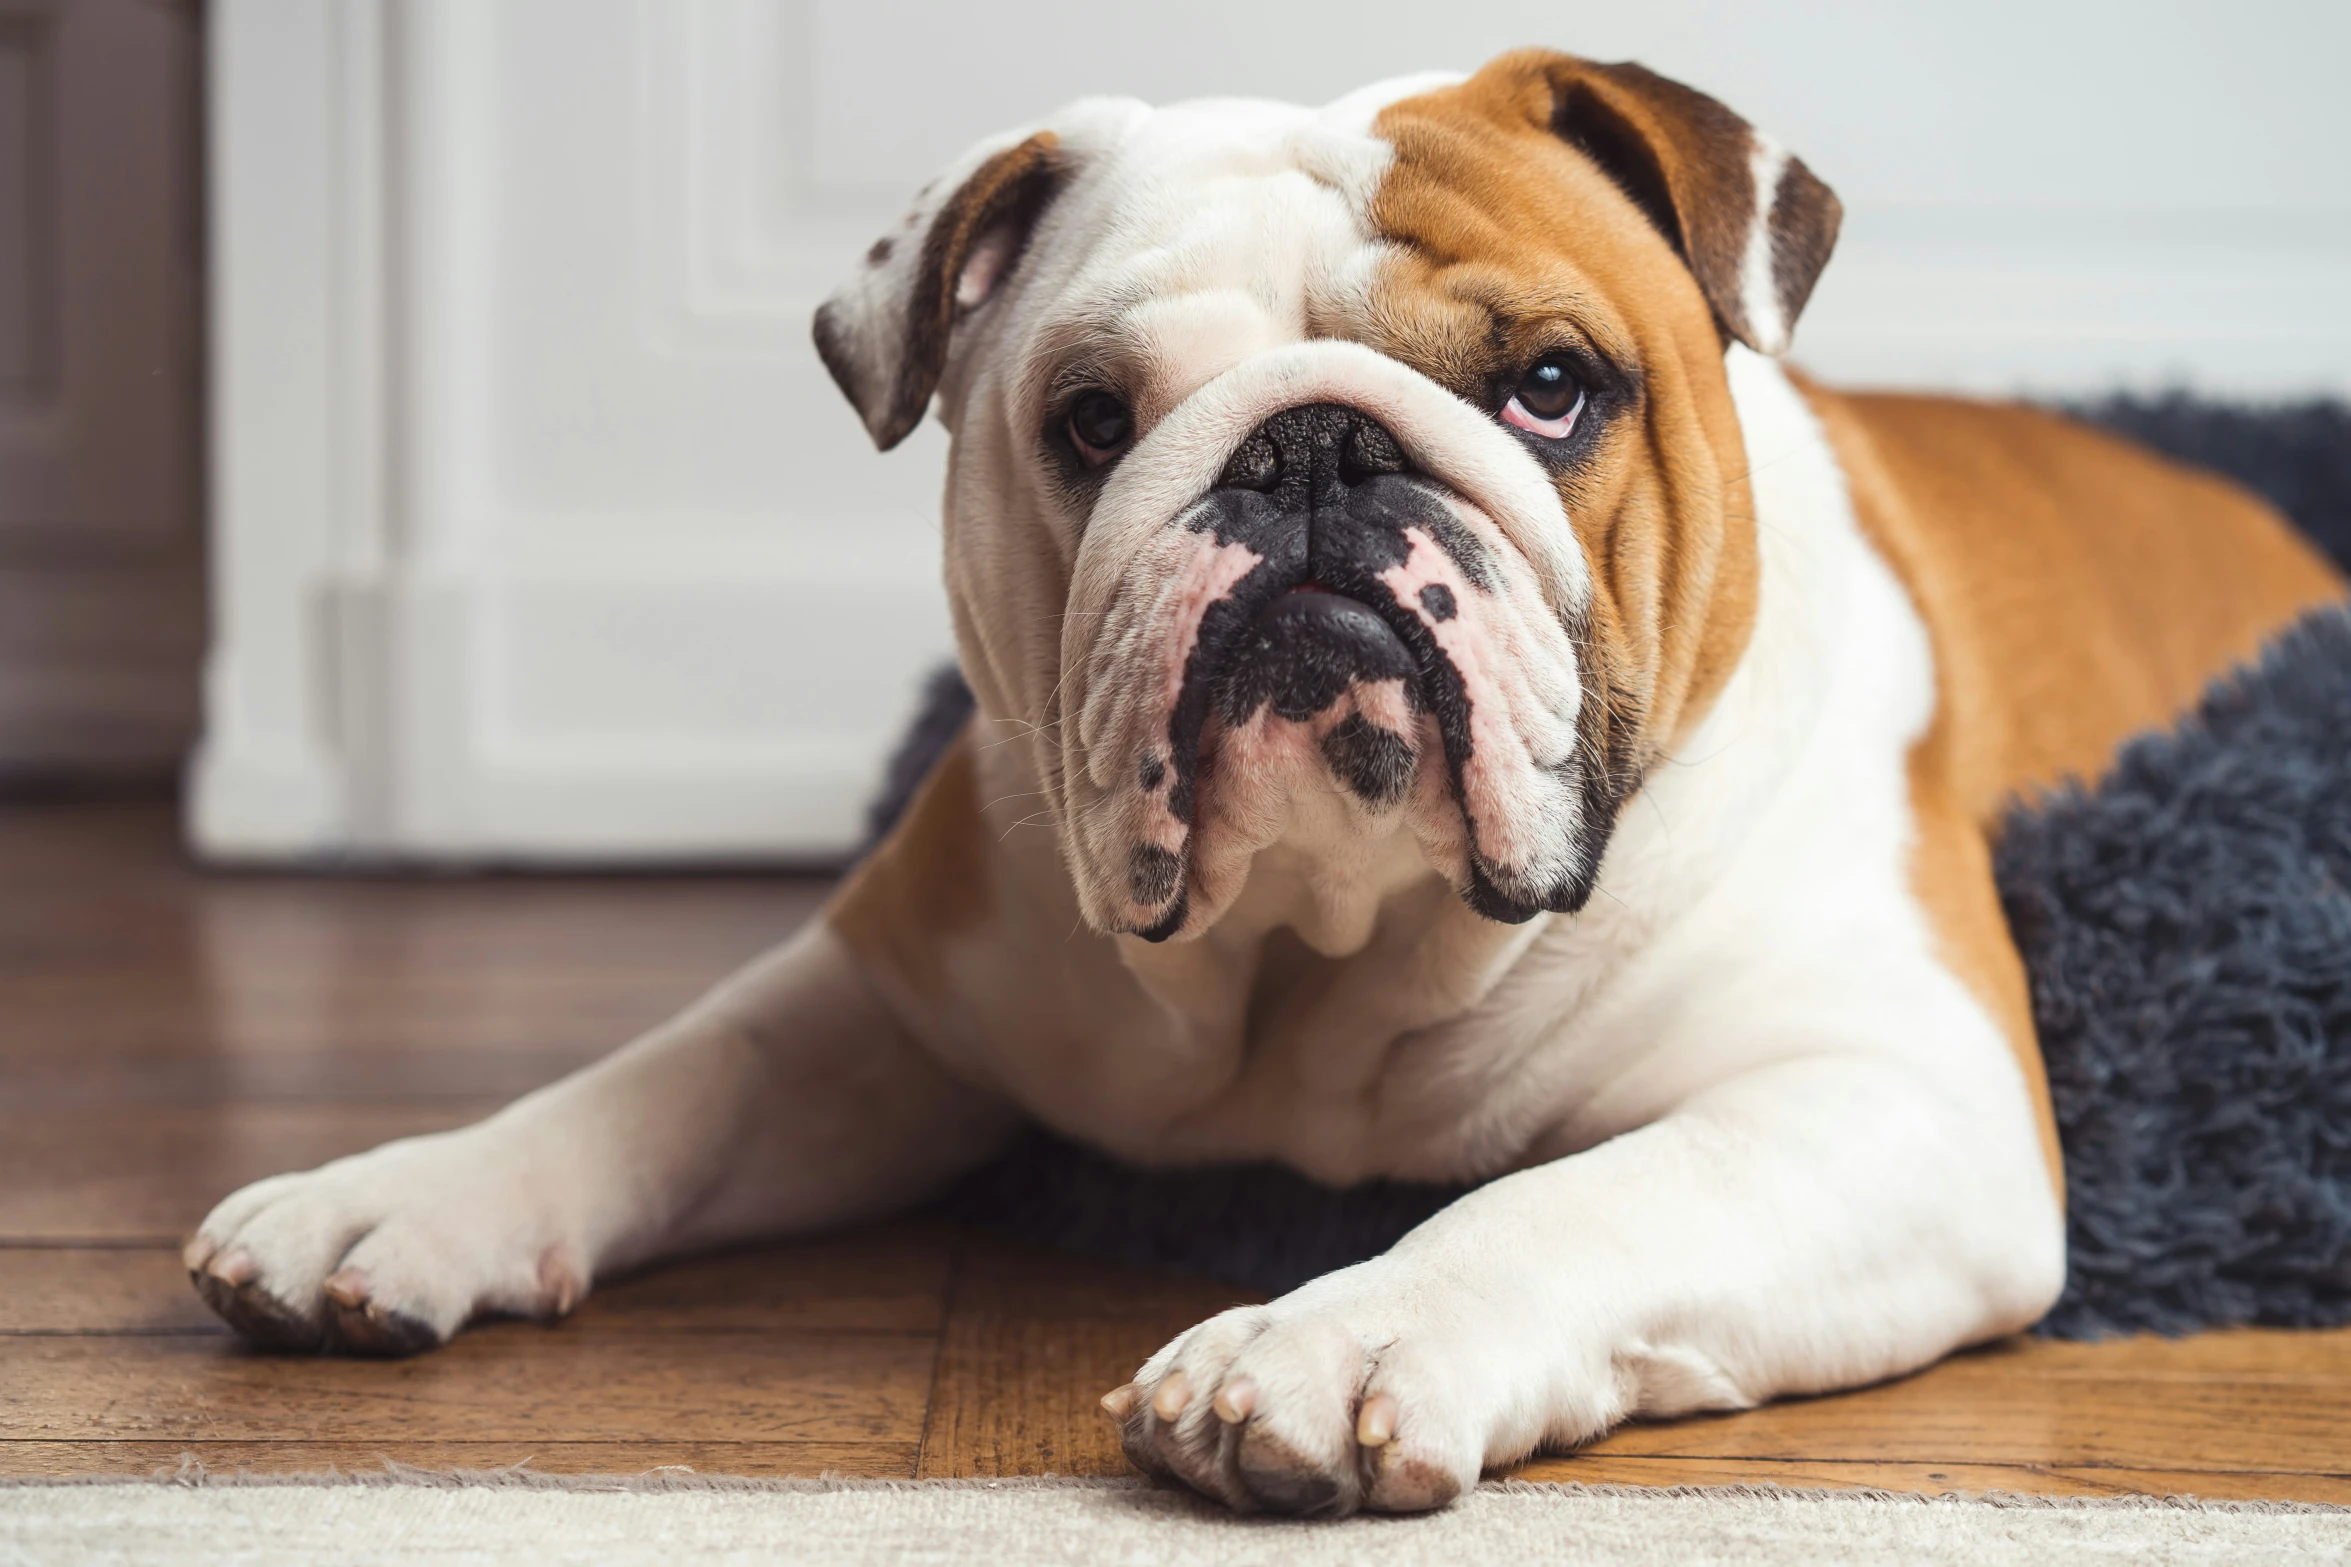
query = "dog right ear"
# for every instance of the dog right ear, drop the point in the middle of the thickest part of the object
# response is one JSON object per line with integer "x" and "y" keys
{"x": 1753, "y": 223}
{"x": 885, "y": 333}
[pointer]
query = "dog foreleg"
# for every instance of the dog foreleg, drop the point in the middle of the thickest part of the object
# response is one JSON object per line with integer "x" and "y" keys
{"x": 784, "y": 1101}
{"x": 1818, "y": 1223}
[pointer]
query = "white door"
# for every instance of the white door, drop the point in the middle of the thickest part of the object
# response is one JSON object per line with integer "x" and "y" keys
{"x": 541, "y": 534}
{"x": 544, "y": 535}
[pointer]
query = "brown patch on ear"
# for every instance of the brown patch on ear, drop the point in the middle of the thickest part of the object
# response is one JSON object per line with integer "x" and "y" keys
{"x": 1682, "y": 158}
{"x": 991, "y": 212}
{"x": 1805, "y": 216}
{"x": 927, "y": 883}
{"x": 1692, "y": 167}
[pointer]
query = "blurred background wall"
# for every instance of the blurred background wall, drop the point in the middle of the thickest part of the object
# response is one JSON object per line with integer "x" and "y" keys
{"x": 539, "y": 533}
{"x": 101, "y": 545}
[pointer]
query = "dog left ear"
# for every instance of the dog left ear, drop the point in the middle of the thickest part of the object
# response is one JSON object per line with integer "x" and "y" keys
{"x": 885, "y": 333}
{"x": 1753, "y": 223}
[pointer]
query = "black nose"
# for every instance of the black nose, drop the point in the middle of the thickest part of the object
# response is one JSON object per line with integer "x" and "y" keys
{"x": 1309, "y": 457}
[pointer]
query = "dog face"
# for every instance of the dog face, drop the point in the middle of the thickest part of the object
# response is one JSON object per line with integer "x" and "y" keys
{"x": 1379, "y": 454}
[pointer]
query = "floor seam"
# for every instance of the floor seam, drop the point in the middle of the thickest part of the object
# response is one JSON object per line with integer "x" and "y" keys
{"x": 950, "y": 1294}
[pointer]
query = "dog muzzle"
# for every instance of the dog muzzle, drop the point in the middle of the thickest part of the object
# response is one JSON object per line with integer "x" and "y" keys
{"x": 1323, "y": 571}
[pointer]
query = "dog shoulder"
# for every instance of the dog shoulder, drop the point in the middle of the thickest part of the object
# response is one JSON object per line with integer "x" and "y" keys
{"x": 964, "y": 923}
{"x": 926, "y": 884}
{"x": 2078, "y": 588}
{"x": 1918, "y": 744}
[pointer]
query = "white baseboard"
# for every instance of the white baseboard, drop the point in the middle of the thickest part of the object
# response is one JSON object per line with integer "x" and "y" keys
{"x": 600, "y": 720}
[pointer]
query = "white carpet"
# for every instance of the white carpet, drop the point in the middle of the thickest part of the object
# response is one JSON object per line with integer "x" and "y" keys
{"x": 413, "y": 1517}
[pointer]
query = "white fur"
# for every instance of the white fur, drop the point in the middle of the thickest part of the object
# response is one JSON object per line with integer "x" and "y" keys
{"x": 1787, "y": 1149}
{"x": 1759, "y": 288}
{"x": 1747, "y": 1133}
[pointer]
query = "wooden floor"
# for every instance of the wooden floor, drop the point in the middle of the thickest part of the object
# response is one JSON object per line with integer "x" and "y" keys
{"x": 165, "y": 1036}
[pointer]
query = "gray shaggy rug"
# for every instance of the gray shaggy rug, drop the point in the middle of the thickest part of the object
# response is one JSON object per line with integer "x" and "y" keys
{"x": 2186, "y": 922}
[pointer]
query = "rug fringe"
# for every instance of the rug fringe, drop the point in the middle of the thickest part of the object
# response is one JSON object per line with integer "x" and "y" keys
{"x": 192, "y": 1472}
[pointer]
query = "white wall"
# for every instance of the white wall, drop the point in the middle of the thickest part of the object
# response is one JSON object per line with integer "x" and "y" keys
{"x": 540, "y": 533}
{"x": 2054, "y": 194}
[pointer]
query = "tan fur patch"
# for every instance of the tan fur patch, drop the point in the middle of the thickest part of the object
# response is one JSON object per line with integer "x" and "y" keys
{"x": 926, "y": 884}
{"x": 2077, "y": 590}
{"x": 1512, "y": 243}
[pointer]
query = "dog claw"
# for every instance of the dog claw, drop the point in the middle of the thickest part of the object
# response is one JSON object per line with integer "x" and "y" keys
{"x": 562, "y": 1282}
{"x": 346, "y": 1287}
{"x": 1171, "y": 1398}
{"x": 381, "y": 1330}
{"x": 1375, "y": 1426}
{"x": 1120, "y": 1402}
{"x": 255, "y": 1314}
{"x": 235, "y": 1267}
{"x": 1235, "y": 1400}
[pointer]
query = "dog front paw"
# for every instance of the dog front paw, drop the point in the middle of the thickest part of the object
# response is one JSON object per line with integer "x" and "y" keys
{"x": 1335, "y": 1398}
{"x": 385, "y": 1253}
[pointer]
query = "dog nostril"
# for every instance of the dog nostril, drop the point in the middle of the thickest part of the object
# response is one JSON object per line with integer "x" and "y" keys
{"x": 1369, "y": 450}
{"x": 1256, "y": 464}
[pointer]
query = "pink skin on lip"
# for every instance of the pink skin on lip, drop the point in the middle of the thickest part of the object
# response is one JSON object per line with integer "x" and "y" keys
{"x": 1269, "y": 740}
{"x": 1492, "y": 784}
{"x": 1255, "y": 764}
{"x": 1384, "y": 703}
{"x": 1212, "y": 572}
{"x": 1208, "y": 576}
{"x": 1252, "y": 771}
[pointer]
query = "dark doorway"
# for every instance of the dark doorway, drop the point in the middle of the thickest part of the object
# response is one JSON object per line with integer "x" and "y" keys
{"x": 101, "y": 452}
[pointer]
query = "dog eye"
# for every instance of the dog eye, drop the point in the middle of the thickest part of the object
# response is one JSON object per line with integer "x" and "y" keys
{"x": 1100, "y": 423}
{"x": 1547, "y": 400}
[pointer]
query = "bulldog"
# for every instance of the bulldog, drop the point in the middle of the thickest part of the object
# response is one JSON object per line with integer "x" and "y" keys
{"x": 1450, "y": 706}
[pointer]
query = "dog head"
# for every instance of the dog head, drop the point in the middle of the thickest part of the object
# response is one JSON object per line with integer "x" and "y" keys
{"x": 1381, "y": 452}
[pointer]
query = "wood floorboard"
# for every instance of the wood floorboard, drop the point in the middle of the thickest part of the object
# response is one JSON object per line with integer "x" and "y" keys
{"x": 891, "y": 1279}
{"x": 888, "y": 1280}
{"x": 1998, "y": 1408}
{"x": 510, "y": 1382}
{"x": 2236, "y": 1354}
{"x": 1032, "y": 1342}
{"x": 166, "y": 1036}
{"x": 74, "y": 1289}
{"x": 151, "y": 1172}
{"x": 2025, "y": 1479}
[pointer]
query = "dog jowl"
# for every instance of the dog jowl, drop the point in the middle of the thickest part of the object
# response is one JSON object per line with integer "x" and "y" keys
{"x": 1336, "y": 606}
